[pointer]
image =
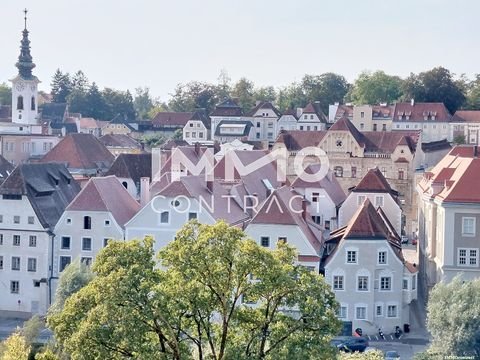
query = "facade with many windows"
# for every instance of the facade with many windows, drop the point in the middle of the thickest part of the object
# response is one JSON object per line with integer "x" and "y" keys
{"x": 365, "y": 267}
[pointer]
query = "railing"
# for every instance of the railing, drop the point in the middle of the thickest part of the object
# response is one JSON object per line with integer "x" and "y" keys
{"x": 382, "y": 156}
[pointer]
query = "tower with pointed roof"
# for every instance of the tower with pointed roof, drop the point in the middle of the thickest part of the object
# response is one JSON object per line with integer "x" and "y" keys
{"x": 25, "y": 85}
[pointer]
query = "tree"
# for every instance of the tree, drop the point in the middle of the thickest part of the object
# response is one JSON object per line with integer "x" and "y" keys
{"x": 374, "y": 88}
{"x": 14, "y": 348}
{"x": 5, "y": 94}
{"x": 95, "y": 104}
{"x": 224, "y": 87}
{"x": 143, "y": 102}
{"x": 436, "y": 85}
{"x": 196, "y": 304}
{"x": 473, "y": 94}
{"x": 459, "y": 139}
{"x": 291, "y": 97}
{"x": 61, "y": 86}
{"x": 118, "y": 103}
{"x": 244, "y": 92}
{"x": 74, "y": 277}
{"x": 266, "y": 93}
{"x": 80, "y": 82}
{"x": 454, "y": 318}
{"x": 154, "y": 140}
{"x": 327, "y": 88}
{"x": 194, "y": 95}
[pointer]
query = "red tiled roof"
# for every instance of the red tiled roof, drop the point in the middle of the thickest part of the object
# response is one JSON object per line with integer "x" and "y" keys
{"x": 373, "y": 181}
{"x": 344, "y": 124}
{"x": 106, "y": 194}
{"x": 171, "y": 119}
{"x": 455, "y": 177}
{"x": 470, "y": 116}
{"x": 418, "y": 111}
{"x": 120, "y": 140}
{"x": 366, "y": 223}
{"x": 133, "y": 166}
{"x": 296, "y": 139}
{"x": 80, "y": 151}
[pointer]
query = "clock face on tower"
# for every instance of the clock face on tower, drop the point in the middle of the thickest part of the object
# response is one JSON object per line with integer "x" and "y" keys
{"x": 20, "y": 86}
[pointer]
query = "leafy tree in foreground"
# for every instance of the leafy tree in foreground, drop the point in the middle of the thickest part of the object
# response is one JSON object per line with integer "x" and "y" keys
{"x": 454, "y": 318}
{"x": 14, "y": 348}
{"x": 194, "y": 305}
{"x": 370, "y": 355}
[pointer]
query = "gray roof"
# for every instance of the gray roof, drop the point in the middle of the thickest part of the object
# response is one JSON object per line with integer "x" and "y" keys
{"x": 246, "y": 130}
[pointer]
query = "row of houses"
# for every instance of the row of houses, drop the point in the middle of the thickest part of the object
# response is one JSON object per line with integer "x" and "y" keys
{"x": 49, "y": 220}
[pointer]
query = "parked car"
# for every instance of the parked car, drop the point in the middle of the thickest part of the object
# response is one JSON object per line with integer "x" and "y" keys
{"x": 350, "y": 343}
{"x": 392, "y": 355}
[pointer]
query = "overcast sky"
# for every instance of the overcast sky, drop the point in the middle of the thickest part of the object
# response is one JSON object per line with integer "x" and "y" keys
{"x": 126, "y": 44}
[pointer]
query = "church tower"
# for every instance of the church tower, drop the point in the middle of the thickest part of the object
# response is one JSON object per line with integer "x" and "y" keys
{"x": 25, "y": 85}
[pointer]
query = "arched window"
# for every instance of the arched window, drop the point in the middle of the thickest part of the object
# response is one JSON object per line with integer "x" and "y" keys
{"x": 20, "y": 103}
{"x": 33, "y": 103}
{"x": 125, "y": 185}
{"x": 87, "y": 222}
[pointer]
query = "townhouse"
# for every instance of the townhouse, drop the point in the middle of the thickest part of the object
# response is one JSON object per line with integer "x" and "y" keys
{"x": 33, "y": 198}
{"x": 264, "y": 117}
{"x": 465, "y": 125}
{"x": 312, "y": 118}
{"x": 197, "y": 128}
{"x": 449, "y": 212}
{"x": 229, "y": 111}
{"x": 364, "y": 265}
{"x": 373, "y": 117}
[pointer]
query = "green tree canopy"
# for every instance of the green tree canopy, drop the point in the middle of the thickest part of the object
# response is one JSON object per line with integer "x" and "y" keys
{"x": 454, "y": 318}
{"x": 5, "y": 94}
{"x": 473, "y": 94}
{"x": 375, "y": 87}
{"x": 194, "y": 95}
{"x": 61, "y": 86}
{"x": 14, "y": 348}
{"x": 143, "y": 102}
{"x": 436, "y": 85}
{"x": 196, "y": 304}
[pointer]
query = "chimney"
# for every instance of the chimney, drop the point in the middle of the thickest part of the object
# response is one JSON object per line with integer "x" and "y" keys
{"x": 144, "y": 191}
{"x": 210, "y": 185}
{"x": 412, "y": 102}
{"x": 304, "y": 209}
{"x": 197, "y": 149}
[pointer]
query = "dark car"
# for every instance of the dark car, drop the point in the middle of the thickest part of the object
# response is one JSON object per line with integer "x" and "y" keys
{"x": 350, "y": 343}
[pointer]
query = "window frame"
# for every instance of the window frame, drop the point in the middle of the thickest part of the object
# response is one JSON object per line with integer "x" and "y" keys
{"x": 473, "y": 225}
{"x": 83, "y": 243}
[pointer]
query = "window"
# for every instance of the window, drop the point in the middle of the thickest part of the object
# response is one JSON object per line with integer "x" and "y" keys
{"x": 16, "y": 219}
{"x": 258, "y": 135}
{"x": 86, "y": 260}
{"x": 87, "y": 222}
{"x": 1, "y": 218}
{"x": 384, "y": 127}
{"x": 374, "y": 127}
{"x": 378, "y": 310}
{"x": 405, "y": 284}
{"x": 107, "y": 222}
{"x": 32, "y": 241}
{"x": 362, "y": 114}
{"x": 468, "y": 226}
{"x": 338, "y": 282}
{"x": 164, "y": 217}
{"x": 15, "y": 263}
{"x": 317, "y": 219}
{"x": 200, "y": 135}
{"x": 65, "y": 242}
{"x": 1, "y": 239}
{"x": 16, "y": 240}
{"x": 194, "y": 134}
{"x": 270, "y": 125}
{"x": 338, "y": 170}
{"x": 392, "y": 311}
{"x": 20, "y": 102}
{"x": 385, "y": 283}
{"x": 32, "y": 107}
{"x": 258, "y": 124}
{"x": 354, "y": 171}
{"x": 351, "y": 257}
{"x": 69, "y": 221}
{"x": 191, "y": 124}
{"x": 467, "y": 257}
{"x": 282, "y": 240}
{"x": 311, "y": 117}
{"x": 401, "y": 174}
{"x": 342, "y": 312}
{"x": 315, "y": 196}
{"x": 414, "y": 282}
{"x": 361, "y": 312}
{"x": 32, "y": 264}
{"x": 87, "y": 244}
{"x": 301, "y": 127}
{"x": 187, "y": 134}
{"x": 378, "y": 201}
{"x": 105, "y": 242}
{"x": 265, "y": 241}
{"x": 31, "y": 220}
{"x": 382, "y": 257}
{"x": 362, "y": 283}
{"x": 360, "y": 199}
{"x": 327, "y": 224}
{"x": 64, "y": 261}
{"x": 192, "y": 215}
{"x": 384, "y": 172}
{"x": 14, "y": 287}
{"x": 1, "y": 262}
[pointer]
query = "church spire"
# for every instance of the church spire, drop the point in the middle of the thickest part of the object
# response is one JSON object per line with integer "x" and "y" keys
{"x": 25, "y": 63}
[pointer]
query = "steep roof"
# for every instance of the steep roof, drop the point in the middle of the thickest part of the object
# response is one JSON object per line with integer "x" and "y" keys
{"x": 132, "y": 166}
{"x": 418, "y": 111}
{"x": 455, "y": 177}
{"x": 106, "y": 194}
{"x": 267, "y": 105}
{"x": 373, "y": 181}
{"x": 344, "y": 124}
{"x": 297, "y": 139}
{"x": 329, "y": 183}
{"x": 48, "y": 186}
{"x": 80, "y": 151}
{"x": 315, "y": 108}
{"x": 227, "y": 108}
{"x": 283, "y": 207}
{"x": 201, "y": 115}
{"x": 54, "y": 112}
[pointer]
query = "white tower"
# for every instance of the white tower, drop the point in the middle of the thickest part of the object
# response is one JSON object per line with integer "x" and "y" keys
{"x": 25, "y": 85}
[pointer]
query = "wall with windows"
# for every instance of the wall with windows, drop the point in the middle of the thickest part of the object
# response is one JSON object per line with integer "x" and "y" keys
{"x": 367, "y": 279}
{"x": 24, "y": 259}
{"x": 195, "y": 131}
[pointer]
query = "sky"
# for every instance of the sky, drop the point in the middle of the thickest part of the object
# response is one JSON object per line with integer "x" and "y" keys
{"x": 158, "y": 44}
